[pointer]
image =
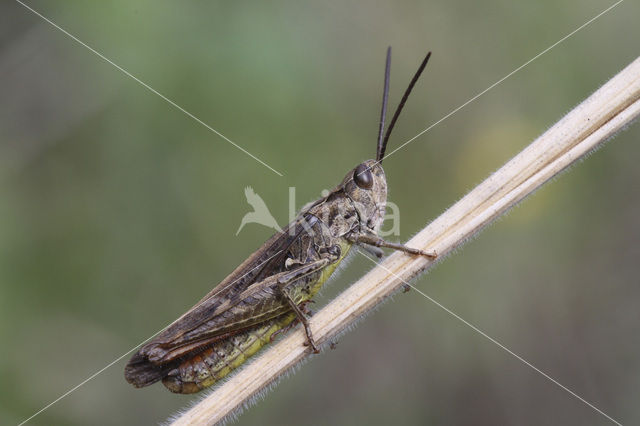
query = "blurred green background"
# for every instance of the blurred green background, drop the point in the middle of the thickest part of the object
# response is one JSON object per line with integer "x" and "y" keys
{"x": 118, "y": 212}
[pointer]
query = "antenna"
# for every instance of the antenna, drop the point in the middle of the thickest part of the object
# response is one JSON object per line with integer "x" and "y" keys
{"x": 383, "y": 113}
{"x": 383, "y": 146}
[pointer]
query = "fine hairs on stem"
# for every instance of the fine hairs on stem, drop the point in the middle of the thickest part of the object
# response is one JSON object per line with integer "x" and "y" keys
{"x": 591, "y": 123}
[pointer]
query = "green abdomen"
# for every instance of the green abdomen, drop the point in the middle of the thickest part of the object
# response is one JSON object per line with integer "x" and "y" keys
{"x": 216, "y": 362}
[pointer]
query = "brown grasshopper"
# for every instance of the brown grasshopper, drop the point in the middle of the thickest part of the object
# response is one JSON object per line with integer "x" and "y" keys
{"x": 269, "y": 292}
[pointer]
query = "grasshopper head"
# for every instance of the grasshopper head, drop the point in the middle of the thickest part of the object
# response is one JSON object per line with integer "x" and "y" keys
{"x": 366, "y": 187}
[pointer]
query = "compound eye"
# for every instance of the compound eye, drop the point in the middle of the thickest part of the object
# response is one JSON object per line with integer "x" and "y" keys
{"x": 363, "y": 177}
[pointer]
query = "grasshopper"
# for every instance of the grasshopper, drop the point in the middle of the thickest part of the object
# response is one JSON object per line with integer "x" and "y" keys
{"x": 270, "y": 291}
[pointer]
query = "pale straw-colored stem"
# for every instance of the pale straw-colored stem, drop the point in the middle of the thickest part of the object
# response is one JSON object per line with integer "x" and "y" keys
{"x": 591, "y": 123}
